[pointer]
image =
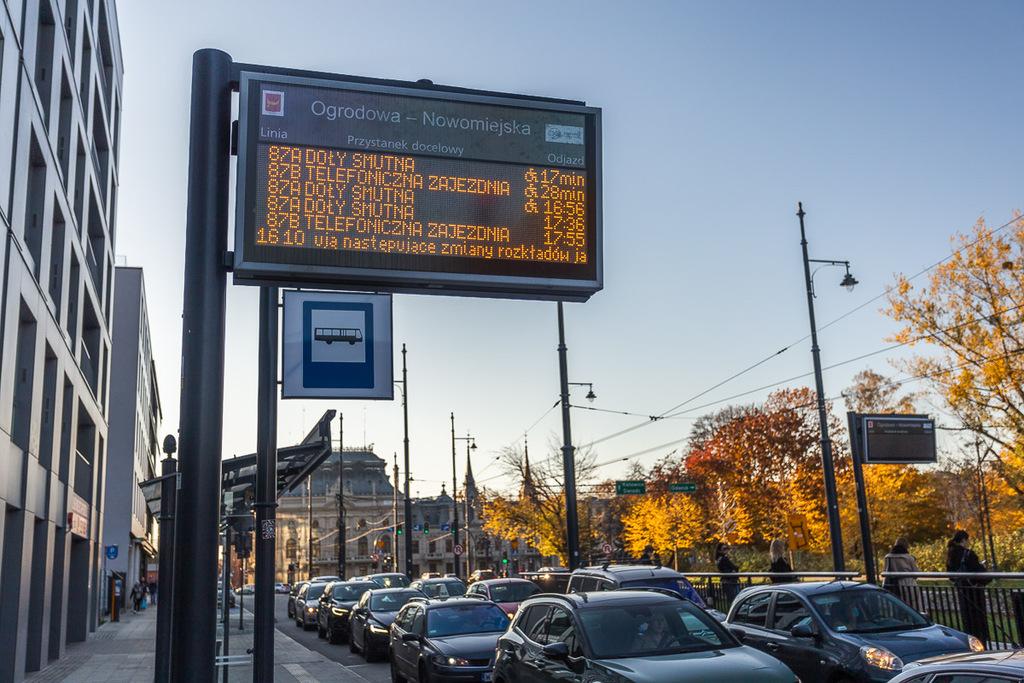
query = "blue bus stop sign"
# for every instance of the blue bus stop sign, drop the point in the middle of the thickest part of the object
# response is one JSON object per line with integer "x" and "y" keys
{"x": 111, "y": 552}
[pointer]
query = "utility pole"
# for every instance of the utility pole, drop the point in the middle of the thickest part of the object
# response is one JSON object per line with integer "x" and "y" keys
{"x": 309, "y": 525}
{"x": 405, "y": 442}
{"x": 831, "y": 497}
{"x": 394, "y": 514}
{"x": 456, "y": 560}
{"x": 168, "y": 496}
{"x": 341, "y": 496}
{"x": 572, "y": 530}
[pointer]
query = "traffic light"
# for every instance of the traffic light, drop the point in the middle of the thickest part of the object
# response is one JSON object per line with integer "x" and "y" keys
{"x": 426, "y": 528}
{"x": 398, "y": 530}
{"x": 504, "y": 557}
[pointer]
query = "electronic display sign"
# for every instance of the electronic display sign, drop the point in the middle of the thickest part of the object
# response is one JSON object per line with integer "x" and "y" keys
{"x": 898, "y": 439}
{"x": 346, "y": 184}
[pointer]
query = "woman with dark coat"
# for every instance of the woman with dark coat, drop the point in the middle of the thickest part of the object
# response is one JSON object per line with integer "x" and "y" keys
{"x": 780, "y": 568}
{"x": 970, "y": 594}
{"x": 730, "y": 584}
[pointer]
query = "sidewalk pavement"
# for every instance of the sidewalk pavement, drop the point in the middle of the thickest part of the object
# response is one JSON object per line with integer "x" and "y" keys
{"x": 123, "y": 652}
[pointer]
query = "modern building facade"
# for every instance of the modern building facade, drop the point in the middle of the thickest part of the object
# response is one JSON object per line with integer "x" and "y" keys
{"x": 134, "y": 438}
{"x": 60, "y": 115}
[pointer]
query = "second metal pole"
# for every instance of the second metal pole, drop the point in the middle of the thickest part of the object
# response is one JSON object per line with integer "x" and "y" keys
{"x": 408, "y": 499}
{"x": 456, "y": 560}
{"x": 572, "y": 530}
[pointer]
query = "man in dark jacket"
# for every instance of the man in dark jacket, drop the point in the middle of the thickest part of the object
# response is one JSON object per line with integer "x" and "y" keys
{"x": 970, "y": 594}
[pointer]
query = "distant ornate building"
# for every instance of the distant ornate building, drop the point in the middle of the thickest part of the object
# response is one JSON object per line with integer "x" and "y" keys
{"x": 308, "y": 523}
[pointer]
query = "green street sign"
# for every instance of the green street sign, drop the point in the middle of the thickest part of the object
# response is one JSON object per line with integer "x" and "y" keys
{"x": 630, "y": 488}
{"x": 683, "y": 487}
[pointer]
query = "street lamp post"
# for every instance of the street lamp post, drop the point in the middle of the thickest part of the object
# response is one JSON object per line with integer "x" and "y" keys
{"x": 470, "y": 443}
{"x": 164, "y": 621}
{"x": 408, "y": 500}
{"x": 572, "y": 523}
{"x": 831, "y": 497}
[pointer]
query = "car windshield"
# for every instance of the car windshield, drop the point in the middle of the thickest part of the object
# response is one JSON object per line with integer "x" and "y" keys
{"x": 866, "y": 611}
{"x": 443, "y": 589}
{"x": 392, "y": 581}
{"x": 391, "y": 602}
{"x": 512, "y": 592}
{"x": 649, "y": 630}
{"x": 460, "y": 619}
{"x": 315, "y": 591}
{"x": 346, "y": 593}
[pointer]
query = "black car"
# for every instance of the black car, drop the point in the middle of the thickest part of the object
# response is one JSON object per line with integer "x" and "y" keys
{"x": 1003, "y": 666}
{"x": 626, "y": 636}
{"x": 446, "y": 640}
{"x": 292, "y": 594}
{"x": 440, "y": 588}
{"x": 840, "y": 630}
{"x": 609, "y": 577}
{"x": 388, "y": 580}
{"x": 307, "y": 603}
{"x": 335, "y": 607}
{"x": 372, "y": 616}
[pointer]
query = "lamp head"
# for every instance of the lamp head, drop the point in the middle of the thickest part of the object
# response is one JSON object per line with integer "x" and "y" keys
{"x": 591, "y": 395}
{"x": 849, "y": 281}
{"x": 472, "y": 445}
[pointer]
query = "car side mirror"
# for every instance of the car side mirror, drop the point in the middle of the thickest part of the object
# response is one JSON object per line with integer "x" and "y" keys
{"x": 738, "y": 634}
{"x": 802, "y": 630}
{"x": 410, "y": 637}
{"x": 556, "y": 650}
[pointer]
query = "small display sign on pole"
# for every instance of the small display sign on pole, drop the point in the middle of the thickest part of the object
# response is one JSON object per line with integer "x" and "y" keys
{"x": 630, "y": 488}
{"x": 683, "y": 487}
{"x": 898, "y": 439}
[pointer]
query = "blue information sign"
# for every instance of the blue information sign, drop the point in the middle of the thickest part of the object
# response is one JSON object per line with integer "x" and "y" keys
{"x": 111, "y": 552}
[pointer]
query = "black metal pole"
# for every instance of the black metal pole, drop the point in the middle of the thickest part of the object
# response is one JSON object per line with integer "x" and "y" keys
{"x": 341, "y": 495}
{"x": 202, "y": 367}
{"x": 863, "y": 513}
{"x": 831, "y": 497}
{"x": 309, "y": 525}
{"x": 241, "y": 595}
{"x": 266, "y": 490}
{"x": 408, "y": 499}
{"x": 455, "y": 505}
{"x": 572, "y": 523}
{"x": 165, "y": 611}
{"x": 227, "y": 601}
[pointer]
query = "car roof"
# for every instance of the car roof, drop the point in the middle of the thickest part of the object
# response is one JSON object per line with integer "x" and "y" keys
{"x": 440, "y": 579}
{"x": 991, "y": 661}
{"x": 583, "y": 600}
{"x": 506, "y": 581}
{"x": 386, "y": 574}
{"x": 628, "y": 572}
{"x": 454, "y": 602}
{"x": 812, "y": 588}
{"x": 383, "y": 591}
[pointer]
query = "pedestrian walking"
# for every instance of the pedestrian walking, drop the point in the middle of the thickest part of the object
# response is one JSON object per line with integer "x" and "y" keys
{"x": 899, "y": 559}
{"x": 730, "y": 584}
{"x": 136, "y": 597}
{"x": 152, "y": 592}
{"x": 145, "y": 595}
{"x": 780, "y": 567}
{"x": 970, "y": 594}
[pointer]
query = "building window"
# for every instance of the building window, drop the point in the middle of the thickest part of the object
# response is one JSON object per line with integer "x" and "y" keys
{"x": 362, "y": 547}
{"x": 291, "y": 549}
{"x": 24, "y": 379}
{"x": 432, "y": 548}
{"x": 44, "y": 55}
{"x": 35, "y": 204}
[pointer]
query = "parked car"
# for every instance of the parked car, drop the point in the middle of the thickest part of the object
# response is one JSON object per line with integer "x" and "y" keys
{"x": 335, "y": 608}
{"x": 327, "y": 578}
{"x": 282, "y": 588}
{"x": 451, "y": 640}
{"x": 1004, "y": 666}
{"x": 430, "y": 575}
{"x": 389, "y": 579}
{"x": 609, "y": 577}
{"x": 291, "y": 597}
{"x": 372, "y": 616}
{"x": 626, "y": 637}
{"x": 507, "y": 593}
{"x": 481, "y": 575}
{"x": 440, "y": 587}
{"x": 307, "y": 603}
{"x": 220, "y": 597}
{"x": 840, "y": 630}
{"x": 247, "y": 589}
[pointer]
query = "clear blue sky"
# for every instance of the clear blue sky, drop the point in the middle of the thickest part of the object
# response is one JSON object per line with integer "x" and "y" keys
{"x": 895, "y": 123}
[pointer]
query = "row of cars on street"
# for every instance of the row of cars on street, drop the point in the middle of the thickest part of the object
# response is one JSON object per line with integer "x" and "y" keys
{"x": 641, "y": 624}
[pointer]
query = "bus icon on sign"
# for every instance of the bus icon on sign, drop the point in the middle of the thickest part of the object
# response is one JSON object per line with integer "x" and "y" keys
{"x": 329, "y": 335}
{"x": 273, "y": 103}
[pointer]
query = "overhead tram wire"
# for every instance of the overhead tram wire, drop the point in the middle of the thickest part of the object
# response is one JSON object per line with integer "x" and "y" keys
{"x": 891, "y": 347}
{"x": 804, "y": 338}
{"x": 497, "y": 458}
{"x": 899, "y": 382}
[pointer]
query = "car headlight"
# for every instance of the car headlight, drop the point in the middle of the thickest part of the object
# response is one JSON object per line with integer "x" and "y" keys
{"x": 880, "y": 658}
{"x": 511, "y": 615}
{"x": 975, "y": 644}
{"x": 339, "y": 611}
{"x": 450, "y": 661}
{"x": 311, "y": 610}
{"x": 380, "y": 630}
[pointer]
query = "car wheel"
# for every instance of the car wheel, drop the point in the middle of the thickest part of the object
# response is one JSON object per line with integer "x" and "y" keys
{"x": 332, "y": 636}
{"x": 367, "y": 648}
{"x": 395, "y": 676}
{"x": 352, "y": 642}
{"x": 422, "y": 673}
{"x": 321, "y": 632}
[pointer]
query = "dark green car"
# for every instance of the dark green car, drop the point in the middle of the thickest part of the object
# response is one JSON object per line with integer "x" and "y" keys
{"x": 626, "y": 637}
